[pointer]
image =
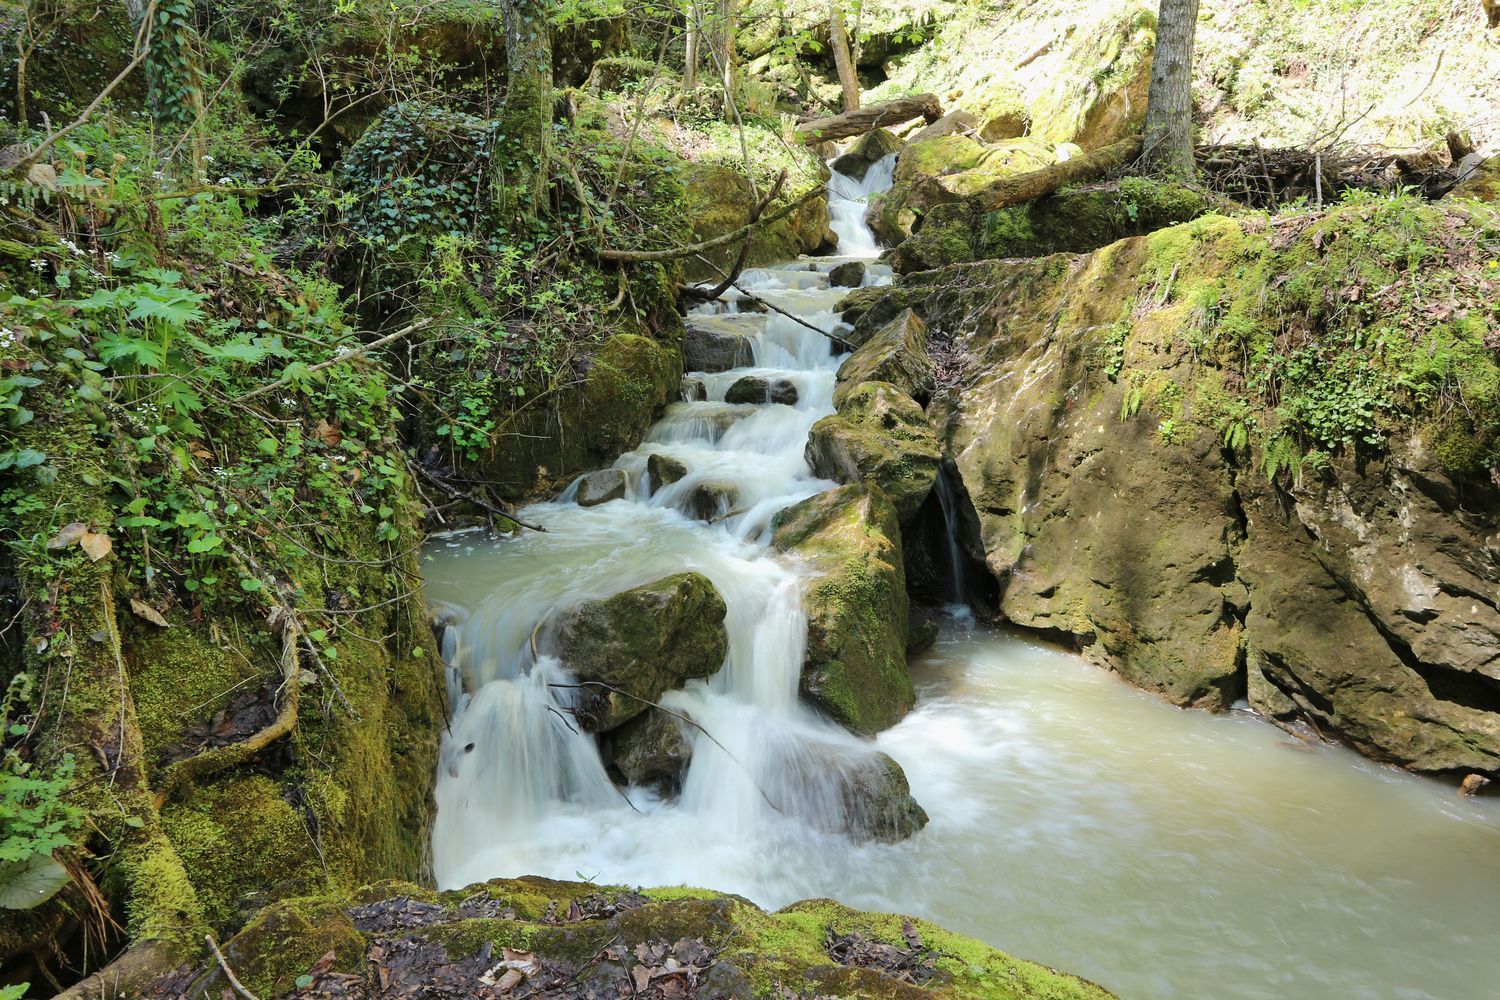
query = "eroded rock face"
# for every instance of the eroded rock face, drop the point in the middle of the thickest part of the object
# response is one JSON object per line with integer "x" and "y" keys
{"x": 1115, "y": 511}
{"x": 897, "y": 354}
{"x": 643, "y": 642}
{"x": 855, "y": 665}
{"x": 879, "y": 436}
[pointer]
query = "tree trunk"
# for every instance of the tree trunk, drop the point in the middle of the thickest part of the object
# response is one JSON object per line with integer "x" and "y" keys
{"x": 526, "y": 117}
{"x": 690, "y": 46}
{"x": 841, "y": 57}
{"x": 725, "y": 22}
{"x": 1169, "y": 110}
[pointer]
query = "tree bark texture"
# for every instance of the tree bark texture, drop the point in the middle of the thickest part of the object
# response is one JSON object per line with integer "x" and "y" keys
{"x": 842, "y": 59}
{"x": 1169, "y": 110}
{"x": 526, "y": 116}
{"x": 862, "y": 120}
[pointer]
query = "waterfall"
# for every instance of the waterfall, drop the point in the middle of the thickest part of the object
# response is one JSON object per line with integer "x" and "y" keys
{"x": 520, "y": 789}
{"x": 958, "y": 591}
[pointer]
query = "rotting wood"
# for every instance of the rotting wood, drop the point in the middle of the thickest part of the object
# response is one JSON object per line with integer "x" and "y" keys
{"x": 862, "y": 120}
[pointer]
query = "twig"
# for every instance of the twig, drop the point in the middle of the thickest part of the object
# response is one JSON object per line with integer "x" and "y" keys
{"x": 648, "y": 256}
{"x": 756, "y": 210}
{"x": 458, "y": 494}
{"x": 234, "y": 981}
{"x": 340, "y": 358}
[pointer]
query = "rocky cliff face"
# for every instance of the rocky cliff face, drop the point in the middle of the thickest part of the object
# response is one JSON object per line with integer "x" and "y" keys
{"x": 1136, "y": 494}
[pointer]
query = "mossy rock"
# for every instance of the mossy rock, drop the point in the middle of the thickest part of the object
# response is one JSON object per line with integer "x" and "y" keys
{"x": 1482, "y": 183}
{"x": 1073, "y": 221}
{"x": 653, "y": 748}
{"x": 855, "y": 665}
{"x": 597, "y": 937}
{"x": 868, "y": 150}
{"x": 718, "y": 201}
{"x": 878, "y": 436}
{"x": 642, "y": 643}
{"x": 896, "y": 353}
{"x": 1101, "y": 96}
{"x": 630, "y": 380}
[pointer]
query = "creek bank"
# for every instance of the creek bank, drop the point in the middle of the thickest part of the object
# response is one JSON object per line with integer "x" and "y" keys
{"x": 578, "y": 940}
{"x": 1350, "y": 589}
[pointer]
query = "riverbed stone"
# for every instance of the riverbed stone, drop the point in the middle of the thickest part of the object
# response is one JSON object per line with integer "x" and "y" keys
{"x": 663, "y": 470}
{"x": 850, "y": 274}
{"x": 758, "y": 389}
{"x": 712, "y": 499}
{"x": 643, "y": 642}
{"x": 878, "y": 803}
{"x": 897, "y": 354}
{"x": 870, "y": 149}
{"x": 719, "y": 343}
{"x": 854, "y": 668}
{"x": 601, "y": 487}
{"x": 878, "y": 436}
{"x": 653, "y": 749}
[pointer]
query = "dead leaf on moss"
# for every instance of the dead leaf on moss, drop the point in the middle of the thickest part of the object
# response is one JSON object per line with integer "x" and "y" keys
{"x": 146, "y": 611}
{"x": 69, "y": 535}
{"x": 96, "y": 544}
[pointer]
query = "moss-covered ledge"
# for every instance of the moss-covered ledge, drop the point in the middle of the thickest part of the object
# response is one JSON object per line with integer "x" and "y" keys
{"x": 665, "y": 942}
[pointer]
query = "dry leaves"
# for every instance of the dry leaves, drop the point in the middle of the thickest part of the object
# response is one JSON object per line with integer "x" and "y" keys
{"x": 95, "y": 543}
{"x": 146, "y": 611}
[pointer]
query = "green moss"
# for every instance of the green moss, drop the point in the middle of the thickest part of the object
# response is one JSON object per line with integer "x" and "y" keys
{"x": 285, "y": 940}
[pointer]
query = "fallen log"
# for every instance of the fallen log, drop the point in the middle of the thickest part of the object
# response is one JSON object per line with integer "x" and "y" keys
{"x": 1030, "y": 186}
{"x": 862, "y": 120}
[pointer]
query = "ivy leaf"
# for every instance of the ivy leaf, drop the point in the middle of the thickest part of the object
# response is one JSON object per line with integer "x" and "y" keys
{"x": 30, "y": 883}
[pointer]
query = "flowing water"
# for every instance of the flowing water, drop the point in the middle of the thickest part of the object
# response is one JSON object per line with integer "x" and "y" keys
{"x": 1074, "y": 820}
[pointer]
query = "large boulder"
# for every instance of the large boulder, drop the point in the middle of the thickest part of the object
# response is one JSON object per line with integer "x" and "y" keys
{"x": 601, "y": 487}
{"x": 719, "y": 201}
{"x": 641, "y": 643}
{"x": 897, "y": 353}
{"x": 878, "y": 436}
{"x": 721, "y": 342}
{"x": 855, "y": 664}
{"x": 868, "y": 150}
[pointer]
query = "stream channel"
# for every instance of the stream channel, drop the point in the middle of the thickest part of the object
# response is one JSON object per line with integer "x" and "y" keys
{"x": 1075, "y": 821}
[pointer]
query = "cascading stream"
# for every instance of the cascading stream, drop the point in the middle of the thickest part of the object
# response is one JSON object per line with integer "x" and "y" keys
{"x": 519, "y": 789}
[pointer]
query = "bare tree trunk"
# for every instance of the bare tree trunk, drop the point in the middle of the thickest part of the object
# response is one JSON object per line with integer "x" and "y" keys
{"x": 1169, "y": 111}
{"x": 690, "y": 56}
{"x": 841, "y": 57}
{"x": 725, "y": 22}
{"x": 526, "y": 117}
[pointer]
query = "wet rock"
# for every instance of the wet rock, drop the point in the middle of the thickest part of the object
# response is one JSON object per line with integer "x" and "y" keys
{"x": 663, "y": 470}
{"x": 924, "y": 635}
{"x": 755, "y": 389}
{"x": 869, "y": 150}
{"x": 712, "y": 499}
{"x": 878, "y": 436}
{"x": 848, "y": 275}
{"x": 897, "y": 353}
{"x": 1478, "y": 178}
{"x": 749, "y": 305}
{"x": 1473, "y": 784}
{"x": 642, "y": 643}
{"x": 601, "y": 487}
{"x": 855, "y": 663}
{"x": 653, "y": 749}
{"x": 693, "y": 390}
{"x": 878, "y": 804}
{"x": 717, "y": 344}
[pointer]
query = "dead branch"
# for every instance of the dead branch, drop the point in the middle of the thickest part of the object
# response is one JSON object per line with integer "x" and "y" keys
{"x": 234, "y": 981}
{"x": 709, "y": 294}
{"x": 647, "y": 256}
{"x": 340, "y": 358}
{"x": 1036, "y": 184}
{"x": 458, "y": 494}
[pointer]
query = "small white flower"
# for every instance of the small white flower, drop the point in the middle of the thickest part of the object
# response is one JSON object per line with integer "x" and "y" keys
{"x": 7, "y": 337}
{"x": 37, "y": 264}
{"x": 208, "y": 159}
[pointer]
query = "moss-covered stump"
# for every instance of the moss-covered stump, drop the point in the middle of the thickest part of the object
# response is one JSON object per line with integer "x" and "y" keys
{"x": 878, "y": 436}
{"x": 896, "y": 353}
{"x": 548, "y": 440}
{"x": 1225, "y": 460}
{"x": 541, "y": 935}
{"x": 1074, "y": 221}
{"x": 855, "y": 665}
{"x": 630, "y": 649}
{"x": 718, "y": 201}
